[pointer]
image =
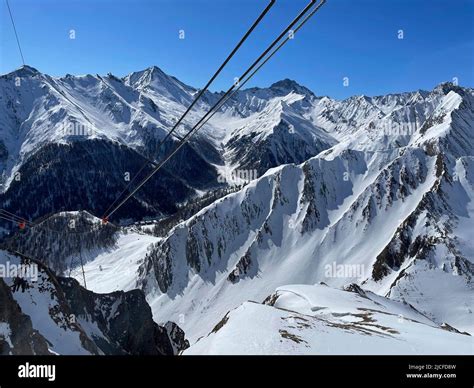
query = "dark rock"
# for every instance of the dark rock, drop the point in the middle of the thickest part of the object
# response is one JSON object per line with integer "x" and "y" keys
{"x": 177, "y": 337}
{"x": 124, "y": 318}
{"x": 23, "y": 339}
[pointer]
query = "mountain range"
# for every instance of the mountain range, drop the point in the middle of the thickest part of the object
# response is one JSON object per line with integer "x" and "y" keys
{"x": 304, "y": 205}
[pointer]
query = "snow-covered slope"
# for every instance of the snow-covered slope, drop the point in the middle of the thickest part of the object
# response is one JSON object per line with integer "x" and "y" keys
{"x": 317, "y": 319}
{"x": 115, "y": 269}
{"x": 58, "y": 124}
{"x": 39, "y": 109}
{"x": 70, "y": 241}
{"x": 276, "y": 135}
{"x": 376, "y": 191}
{"x": 137, "y": 111}
{"x": 383, "y": 219}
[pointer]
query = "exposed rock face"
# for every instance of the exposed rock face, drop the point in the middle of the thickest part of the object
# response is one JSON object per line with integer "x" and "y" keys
{"x": 176, "y": 336}
{"x": 66, "y": 318}
{"x": 125, "y": 320}
{"x": 17, "y": 336}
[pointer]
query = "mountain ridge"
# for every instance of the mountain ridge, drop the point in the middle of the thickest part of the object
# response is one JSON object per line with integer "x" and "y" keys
{"x": 376, "y": 191}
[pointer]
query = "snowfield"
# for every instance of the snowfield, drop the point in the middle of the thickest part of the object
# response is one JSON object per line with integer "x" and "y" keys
{"x": 108, "y": 270}
{"x": 320, "y": 320}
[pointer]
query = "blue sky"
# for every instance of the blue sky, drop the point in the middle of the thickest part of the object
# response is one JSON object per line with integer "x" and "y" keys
{"x": 347, "y": 38}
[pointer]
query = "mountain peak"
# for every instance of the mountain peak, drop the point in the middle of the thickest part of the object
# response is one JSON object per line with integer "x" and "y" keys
{"x": 446, "y": 87}
{"x": 287, "y": 85}
{"x": 24, "y": 71}
{"x": 149, "y": 75}
{"x": 156, "y": 80}
{"x": 155, "y": 72}
{"x": 28, "y": 69}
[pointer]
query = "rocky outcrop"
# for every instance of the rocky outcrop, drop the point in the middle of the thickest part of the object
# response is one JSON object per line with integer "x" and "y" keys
{"x": 116, "y": 323}
{"x": 17, "y": 336}
{"x": 124, "y": 319}
{"x": 177, "y": 337}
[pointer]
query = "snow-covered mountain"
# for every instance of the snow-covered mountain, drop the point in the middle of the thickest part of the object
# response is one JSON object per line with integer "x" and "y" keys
{"x": 59, "y": 125}
{"x": 372, "y": 191}
{"x": 395, "y": 220}
{"x": 317, "y": 319}
{"x": 114, "y": 125}
{"x": 276, "y": 135}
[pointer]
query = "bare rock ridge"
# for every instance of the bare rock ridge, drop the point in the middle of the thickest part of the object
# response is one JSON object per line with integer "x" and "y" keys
{"x": 68, "y": 319}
